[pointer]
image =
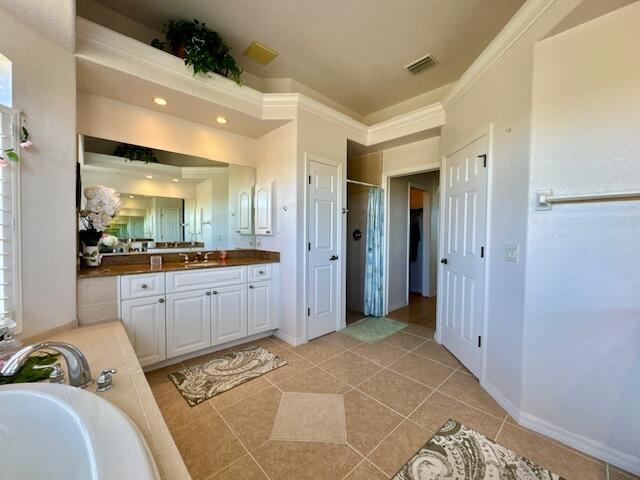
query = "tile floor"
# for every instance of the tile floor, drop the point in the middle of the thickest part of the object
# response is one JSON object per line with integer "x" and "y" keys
{"x": 396, "y": 394}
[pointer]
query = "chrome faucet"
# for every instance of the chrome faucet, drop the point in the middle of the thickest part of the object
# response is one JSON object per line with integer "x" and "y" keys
{"x": 77, "y": 365}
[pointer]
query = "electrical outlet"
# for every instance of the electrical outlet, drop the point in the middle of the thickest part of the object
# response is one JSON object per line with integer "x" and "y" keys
{"x": 511, "y": 252}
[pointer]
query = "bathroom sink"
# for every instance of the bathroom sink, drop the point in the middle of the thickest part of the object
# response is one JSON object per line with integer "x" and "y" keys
{"x": 56, "y": 432}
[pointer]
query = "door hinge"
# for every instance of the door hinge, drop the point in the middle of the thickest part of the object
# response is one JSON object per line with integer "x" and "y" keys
{"x": 479, "y": 342}
{"x": 481, "y": 252}
{"x": 309, "y": 179}
{"x": 484, "y": 160}
{"x": 309, "y": 246}
{"x": 308, "y": 311}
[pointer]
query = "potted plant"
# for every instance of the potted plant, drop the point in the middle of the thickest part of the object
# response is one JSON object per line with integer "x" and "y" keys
{"x": 200, "y": 47}
{"x": 102, "y": 204}
{"x": 135, "y": 153}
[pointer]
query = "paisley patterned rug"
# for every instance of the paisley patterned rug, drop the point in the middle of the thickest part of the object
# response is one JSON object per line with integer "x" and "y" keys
{"x": 457, "y": 452}
{"x": 208, "y": 379}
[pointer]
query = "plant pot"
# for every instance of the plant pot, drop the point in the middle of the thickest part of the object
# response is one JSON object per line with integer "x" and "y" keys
{"x": 179, "y": 50}
{"x": 91, "y": 255}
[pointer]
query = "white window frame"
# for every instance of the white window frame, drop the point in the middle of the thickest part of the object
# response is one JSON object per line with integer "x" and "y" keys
{"x": 16, "y": 240}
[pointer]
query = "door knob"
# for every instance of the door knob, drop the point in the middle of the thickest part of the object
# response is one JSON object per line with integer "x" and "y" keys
{"x": 333, "y": 258}
{"x": 444, "y": 260}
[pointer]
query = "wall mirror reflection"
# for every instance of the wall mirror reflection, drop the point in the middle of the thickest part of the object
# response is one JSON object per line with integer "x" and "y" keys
{"x": 168, "y": 201}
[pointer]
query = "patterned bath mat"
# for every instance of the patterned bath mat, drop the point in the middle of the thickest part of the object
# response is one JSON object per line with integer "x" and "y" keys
{"x": 208, "y": 379}
{"x": 457, "y": 452}
{"x": 373, "y": 329}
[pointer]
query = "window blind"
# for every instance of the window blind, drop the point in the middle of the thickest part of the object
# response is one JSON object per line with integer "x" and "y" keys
{"x": 10, "y": 284}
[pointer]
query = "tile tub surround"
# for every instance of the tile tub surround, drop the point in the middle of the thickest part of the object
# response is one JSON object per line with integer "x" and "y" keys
{"x": 231, "y": 436}
{"x": 106, "y": 346}
{"x": 141, "y": 262}
{"x": 97, "y": 300}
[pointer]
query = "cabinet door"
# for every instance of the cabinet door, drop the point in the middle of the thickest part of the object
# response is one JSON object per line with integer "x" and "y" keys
{"x": 144, "y": 321}
{"x": 260, "y": 303}
{"x": 188, "y": 322}
{"x": 228, "y": 313}
{"x": 244, "y": 213}
{"x": 264, "y": 202}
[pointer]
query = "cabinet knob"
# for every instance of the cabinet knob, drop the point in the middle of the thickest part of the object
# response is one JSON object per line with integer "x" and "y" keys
{"x": 215, "y": 292}
{"x": 144, "y": 286}
{"x": 250, "y": 286}
{"x": 268, "y": 231}
{"x": 161, "y": 300}
{"x": 208, "y": 293}
{"x": 261, "y": 272}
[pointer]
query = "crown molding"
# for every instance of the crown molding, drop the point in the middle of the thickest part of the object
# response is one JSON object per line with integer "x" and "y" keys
{"x": 524, "y": 18}
{"x": 424, "y": 118}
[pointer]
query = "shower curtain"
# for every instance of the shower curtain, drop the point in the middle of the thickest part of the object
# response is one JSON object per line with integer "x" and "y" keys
{"x": 373, "y": 271}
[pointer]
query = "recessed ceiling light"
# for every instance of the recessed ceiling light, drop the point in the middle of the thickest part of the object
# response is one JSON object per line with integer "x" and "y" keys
{"x": 222, "y": 120}
{"x": 176, "y": 180}
{"x": 131, "y": 196}
{"x": 160, "y": 101}
{"x": 149, "y": 177}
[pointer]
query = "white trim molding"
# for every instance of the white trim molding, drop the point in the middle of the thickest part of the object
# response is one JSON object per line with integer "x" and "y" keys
{"x": 524, "y": 18}
{"x": 419, "y": 120}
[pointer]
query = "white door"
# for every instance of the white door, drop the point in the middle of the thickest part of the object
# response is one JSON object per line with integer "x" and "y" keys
{"x": 188, "y": 322}
{"x": 263, "y": 210}
{"x": 461, "y": 295}
{"x": 260, "y": 303}
{"x": 170, "y": 226}
{"x": 144, "y": 322}
{"x": 322, "y": 215}
{"x": 228, "y": 313}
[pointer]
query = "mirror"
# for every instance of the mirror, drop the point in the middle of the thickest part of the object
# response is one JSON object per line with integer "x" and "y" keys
{"x": 169, "y": 201}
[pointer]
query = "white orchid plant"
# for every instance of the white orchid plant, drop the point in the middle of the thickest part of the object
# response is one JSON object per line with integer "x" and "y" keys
{"x": 101, "y": 205}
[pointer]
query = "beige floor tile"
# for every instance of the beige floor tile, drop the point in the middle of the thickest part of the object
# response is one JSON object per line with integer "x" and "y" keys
{"x": 295, "y": 365}
{"x": 398, "y": 448}
{"x": 366, "y": 471}
{"x": 340, "y": 340}
{"x": 617, "y": 474}
{"x": 397, "y": 392}
{"x": 318, "y": 350}
{"x": 464, "y": 369}
{"x": 279, "y": 341}
{"x": 159, "y": 380}
{"x": 422, "y": 369}
{"x": 468, "y": 390}
{"x": 310, "y": 417}
{"x": 240, "y": 392}
{"x": 548, "y": 454}
{"x": 265, "y": 343}
{"x": 244, "y": 469}
{"x": 177, "y": 412}
{"x": 437, "y": 353}
{"x": 252, "y": 419}
{"x": 314, "y": 380}
{"x": 419, "y": 330}
{"x": 438, "y": 408}
{"x": 207, "y": 445}
{"x": 404, "y": 341}
{"x": 368, "y": 421}
{"x": 381, "y": 353}
{"x": 351, "y": 368}
{"x": 306, "y": 461}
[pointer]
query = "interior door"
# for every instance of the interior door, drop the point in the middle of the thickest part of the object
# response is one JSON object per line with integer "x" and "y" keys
{"x": 463, "y": 264}
{"x": 323, "y": 185}
{"x": 170, "y": 228}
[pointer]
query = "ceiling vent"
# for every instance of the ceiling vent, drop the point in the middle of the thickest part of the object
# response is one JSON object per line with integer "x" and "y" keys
{"x": 260, "y": 53}
{"x": 421, "y": 64}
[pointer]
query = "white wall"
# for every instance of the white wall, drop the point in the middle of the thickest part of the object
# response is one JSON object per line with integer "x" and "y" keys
{"x": 112, "y": 120}
{"x": 412, "y": 156}
{"x": 44, "y": 89}
{"x": 582, "y": 307}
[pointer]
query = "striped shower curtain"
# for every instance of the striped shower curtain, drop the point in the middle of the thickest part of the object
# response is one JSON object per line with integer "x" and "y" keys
{"x": 374, "y": 266}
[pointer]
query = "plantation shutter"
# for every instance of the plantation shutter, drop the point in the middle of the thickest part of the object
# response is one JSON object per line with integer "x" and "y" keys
{"x": 10, "y": 288}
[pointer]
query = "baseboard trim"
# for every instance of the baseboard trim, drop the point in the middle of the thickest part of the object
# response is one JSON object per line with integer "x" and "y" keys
{"x": 294, "y": 342}
{"x": 579, "y": 442}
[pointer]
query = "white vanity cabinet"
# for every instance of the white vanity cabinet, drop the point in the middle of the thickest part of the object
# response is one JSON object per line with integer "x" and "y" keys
{"x": 244, "y": 213}
{"x": 264, "y": 209}
{"x": 197, "y": 309}
{"x": 144, "y": 322}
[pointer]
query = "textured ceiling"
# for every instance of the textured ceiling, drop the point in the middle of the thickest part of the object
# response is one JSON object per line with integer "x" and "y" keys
{"x": 352, "y": 51}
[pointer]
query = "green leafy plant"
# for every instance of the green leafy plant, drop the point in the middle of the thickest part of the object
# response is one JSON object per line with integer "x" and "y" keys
{"x": 10, "y": 153}
{"x": 28, "y": 374}
{"x": 201, "y": 48}
{"x": 135, "y": 153}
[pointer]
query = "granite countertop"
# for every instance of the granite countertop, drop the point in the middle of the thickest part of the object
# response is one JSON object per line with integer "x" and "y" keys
{"x": 106, "y": 345}
{"x": 132, "y": 265}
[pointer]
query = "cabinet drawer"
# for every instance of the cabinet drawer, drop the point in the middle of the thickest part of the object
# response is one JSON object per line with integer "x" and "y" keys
{"x": 139, "y": 286}
{"x": 260, "y": 272}
{"x": 205, "y": 278}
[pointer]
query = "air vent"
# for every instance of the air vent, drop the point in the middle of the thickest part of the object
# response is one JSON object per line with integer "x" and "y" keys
{"x": 421, "y": 64}
{"x": 260, "y": 53}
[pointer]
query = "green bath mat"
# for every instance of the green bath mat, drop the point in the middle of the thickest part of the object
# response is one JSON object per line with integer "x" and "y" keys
{"x": 373, "y": 329}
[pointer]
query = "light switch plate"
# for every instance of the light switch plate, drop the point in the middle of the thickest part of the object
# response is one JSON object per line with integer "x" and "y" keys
{"x": 511, "y": 252}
